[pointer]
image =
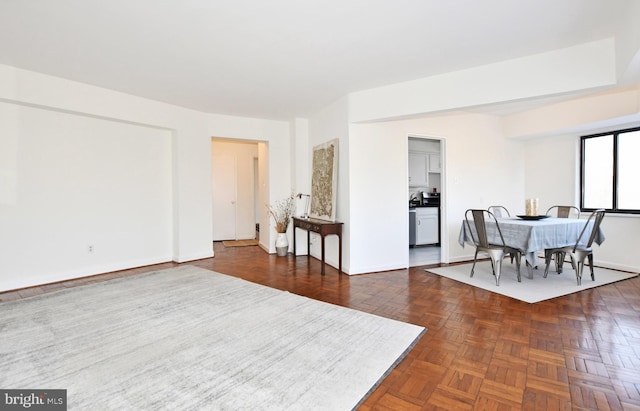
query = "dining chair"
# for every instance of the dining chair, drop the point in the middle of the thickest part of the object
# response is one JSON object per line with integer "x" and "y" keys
{"x": 582, "y": 250}
{"x": 558, "y": 254}
{"x": 561, "y": 211}
{"x": 499, "y": 211}
{"x": 496, "y": 252}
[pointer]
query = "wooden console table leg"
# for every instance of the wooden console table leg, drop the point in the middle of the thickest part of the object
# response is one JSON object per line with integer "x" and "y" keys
{"x": 322, "y": 228}
{"x": 340, "y": 252}
{"x": 322, "y": 254}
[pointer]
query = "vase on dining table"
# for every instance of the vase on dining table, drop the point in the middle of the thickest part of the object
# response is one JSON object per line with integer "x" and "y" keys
{"x": 282, "y": 244}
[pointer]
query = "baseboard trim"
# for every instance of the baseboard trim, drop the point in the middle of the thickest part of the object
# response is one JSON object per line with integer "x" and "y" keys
{"x": 59, "y": 277}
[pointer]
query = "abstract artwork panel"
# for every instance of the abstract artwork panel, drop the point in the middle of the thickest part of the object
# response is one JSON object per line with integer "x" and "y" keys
{"x": 324, "y": 181}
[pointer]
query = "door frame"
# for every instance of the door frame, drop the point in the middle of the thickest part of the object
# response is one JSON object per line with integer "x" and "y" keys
{"x": 444, "y": 233}
{"x": 260, "y": 186}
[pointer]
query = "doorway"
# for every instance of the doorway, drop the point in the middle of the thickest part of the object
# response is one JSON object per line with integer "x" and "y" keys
{"x": 426, "y": 199}
{"x": 235, "y": 189}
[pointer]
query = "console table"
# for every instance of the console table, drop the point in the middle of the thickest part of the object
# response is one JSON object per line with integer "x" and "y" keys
{"x": 324, "y": 228}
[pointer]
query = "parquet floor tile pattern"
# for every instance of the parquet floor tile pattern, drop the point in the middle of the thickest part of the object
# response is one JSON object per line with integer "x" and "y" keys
{"x": 482, "y": 351}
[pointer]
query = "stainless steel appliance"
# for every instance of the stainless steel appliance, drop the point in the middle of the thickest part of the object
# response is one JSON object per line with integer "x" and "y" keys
{"x": 430, "y": 199}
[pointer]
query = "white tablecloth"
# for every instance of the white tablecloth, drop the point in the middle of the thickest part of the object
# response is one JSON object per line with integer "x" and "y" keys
{"x": 530, "y": 236}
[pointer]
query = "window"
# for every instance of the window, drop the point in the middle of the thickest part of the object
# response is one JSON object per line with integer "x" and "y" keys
{"x": 610, "y": 168}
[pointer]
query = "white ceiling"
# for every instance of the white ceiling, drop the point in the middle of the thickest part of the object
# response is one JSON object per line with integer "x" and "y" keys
{"x": 281, "y": 59}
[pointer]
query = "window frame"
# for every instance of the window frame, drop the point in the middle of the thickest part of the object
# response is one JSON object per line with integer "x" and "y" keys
{"x": 614, "y": 193}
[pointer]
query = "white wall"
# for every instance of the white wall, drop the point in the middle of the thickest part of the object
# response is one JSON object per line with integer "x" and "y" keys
{"x": 190, "y": 144}
{"x": 551, "y": 166}
{"x": 301, "y": 160}
{"x": 137, "y": 122}
{"x": 331, "y": 123}
{"x": 378, "y": 222}
{"x": 80, "y": 195}
{"x": 263, "y": 198}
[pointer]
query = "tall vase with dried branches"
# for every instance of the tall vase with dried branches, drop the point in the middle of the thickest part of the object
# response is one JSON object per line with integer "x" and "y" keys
{"x": 282, "y": 211}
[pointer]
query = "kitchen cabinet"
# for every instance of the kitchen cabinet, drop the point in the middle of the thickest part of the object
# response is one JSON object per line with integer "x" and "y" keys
{"x": 435, "y": 166}
{"x": 427, "y": 225}
{"x": 418, "y": 169}
{"x": 420, "y": 165}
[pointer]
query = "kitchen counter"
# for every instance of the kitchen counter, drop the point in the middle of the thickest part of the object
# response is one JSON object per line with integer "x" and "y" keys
{"x": 422, "y": 206}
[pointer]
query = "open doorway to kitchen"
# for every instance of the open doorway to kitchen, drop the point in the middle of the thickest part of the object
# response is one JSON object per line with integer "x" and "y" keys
{"x": 425, "y": 200}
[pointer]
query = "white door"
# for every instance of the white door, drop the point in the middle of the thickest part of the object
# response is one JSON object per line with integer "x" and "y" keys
{"x": 224, "y": 197}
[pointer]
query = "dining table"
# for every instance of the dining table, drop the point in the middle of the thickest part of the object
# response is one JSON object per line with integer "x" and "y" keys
{"x": 530, "y": 235}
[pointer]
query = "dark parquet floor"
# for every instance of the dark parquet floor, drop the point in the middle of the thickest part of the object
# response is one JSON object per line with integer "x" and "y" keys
{"x": 482, "y": 351}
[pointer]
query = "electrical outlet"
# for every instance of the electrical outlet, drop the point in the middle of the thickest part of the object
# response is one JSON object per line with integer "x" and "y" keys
{"x": 90, "y": 249}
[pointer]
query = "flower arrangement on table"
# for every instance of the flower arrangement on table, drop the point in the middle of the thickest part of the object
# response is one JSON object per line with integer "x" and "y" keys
{"x": 282, "y": 211}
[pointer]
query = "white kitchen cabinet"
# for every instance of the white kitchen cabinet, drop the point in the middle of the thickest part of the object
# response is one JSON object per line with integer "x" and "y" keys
{"x": 418, "y": 169}
{"x": 435, "y": 166}
{"x": 427, "y": 225}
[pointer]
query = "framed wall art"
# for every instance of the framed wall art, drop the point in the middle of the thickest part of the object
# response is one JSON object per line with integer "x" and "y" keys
{"x": 324, "y": 181}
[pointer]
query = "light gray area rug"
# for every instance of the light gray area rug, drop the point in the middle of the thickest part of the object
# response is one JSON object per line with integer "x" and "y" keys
{"x": 191, "y": 339}
{"x": 529, "y": 290}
